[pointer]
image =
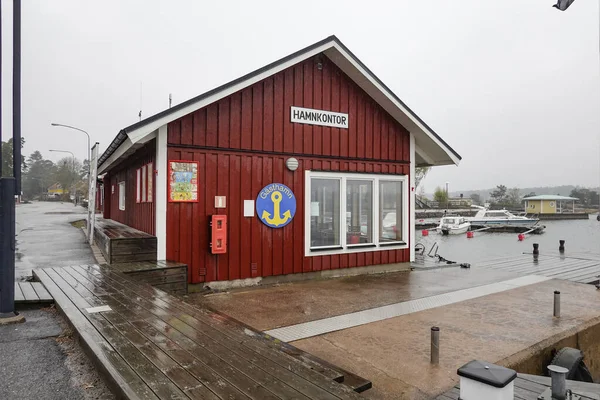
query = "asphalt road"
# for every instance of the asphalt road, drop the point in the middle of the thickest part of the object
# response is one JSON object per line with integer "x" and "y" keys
{"x": 45, "y": 237}
{"x": 39, "y": 359}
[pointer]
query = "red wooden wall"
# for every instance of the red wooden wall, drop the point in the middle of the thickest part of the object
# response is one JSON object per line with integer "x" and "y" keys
{"x": 242, "y": 142}
{"x": 137, "y": 215}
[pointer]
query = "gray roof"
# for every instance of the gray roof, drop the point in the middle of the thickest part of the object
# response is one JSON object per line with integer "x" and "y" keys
{"x": 550, "y": 197}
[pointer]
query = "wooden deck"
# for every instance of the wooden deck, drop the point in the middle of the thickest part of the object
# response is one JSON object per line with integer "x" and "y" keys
{"x": 575, "y": 267}
{"x": 169, "y": 276}
{"x": 529, "y": 387}
{"x": 120, "y": 243}
{"x": 152, "y": 345}
{"x": 31, "y": 293}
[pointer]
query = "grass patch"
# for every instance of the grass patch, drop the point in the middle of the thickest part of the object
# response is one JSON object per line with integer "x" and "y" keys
{"x": 79, "y": 224}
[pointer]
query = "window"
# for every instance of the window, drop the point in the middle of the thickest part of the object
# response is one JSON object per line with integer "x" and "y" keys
{"x": 138, "y": 192}
{"x": 122, "y": 196}
{"x": 359, "y": 212}
{"x": 325, "y": 213}
{"x": 390, "y": 211}
{"x": 347, "y": 212}
{"x": 150, "y": 181}
{"x": 144, "y": 183}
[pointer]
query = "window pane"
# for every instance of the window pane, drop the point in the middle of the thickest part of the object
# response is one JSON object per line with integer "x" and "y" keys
{"x": 121, "y": 195}
{"x": 150, "y": 181}
{"x": 138, "y": 189}
{"x": 324, "y": 212}
{"x": 359, "y": 212}
{"x": 390, "y": 211}
{"x": 144, "y": 184}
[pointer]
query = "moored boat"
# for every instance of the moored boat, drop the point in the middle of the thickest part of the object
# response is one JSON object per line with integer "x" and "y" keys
{"x": 453, "y": 225}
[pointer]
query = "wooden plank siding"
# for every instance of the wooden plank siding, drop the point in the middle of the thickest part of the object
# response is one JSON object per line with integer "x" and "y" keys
{"x": 241, "y": 144}
{"x": 136, "y": 215}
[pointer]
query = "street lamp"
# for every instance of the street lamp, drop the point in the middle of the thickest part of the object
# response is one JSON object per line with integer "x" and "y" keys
{"x": 88, "y": 147}
{"x": 447, "y": 196}
{"x": 72, "y": 155}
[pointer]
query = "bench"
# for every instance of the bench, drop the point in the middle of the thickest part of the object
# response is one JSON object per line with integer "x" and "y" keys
{"x": 169, "y": 276}
{"x": 120, "y": 243}
{"x": 151, "y": 345}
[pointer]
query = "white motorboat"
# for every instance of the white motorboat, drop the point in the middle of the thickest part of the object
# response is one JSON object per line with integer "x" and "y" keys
{"x": 500, "y": 219}
{"x": 454, "y": 225}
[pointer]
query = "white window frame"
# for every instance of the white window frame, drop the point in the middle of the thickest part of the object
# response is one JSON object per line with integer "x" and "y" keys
{"x": 144, "y": 177}
{"x": 344, "y": 248}
{"x": 122, "y": 196}
{"x": 138, "y": 194}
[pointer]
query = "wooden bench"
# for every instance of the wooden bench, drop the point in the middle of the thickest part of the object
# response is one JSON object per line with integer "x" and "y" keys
{"x": 169, "y": 276}
{"x": 152, "y": 345}
{"x": 120, "y": 243}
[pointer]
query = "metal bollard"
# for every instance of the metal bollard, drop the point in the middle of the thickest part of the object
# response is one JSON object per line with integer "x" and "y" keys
{"x": 557, "y": 304}
{"x": 435, "y": 345}
{"x": 561, "y": 246}
{"x": 558, "y": 376}
{"x": 536, "y": 249}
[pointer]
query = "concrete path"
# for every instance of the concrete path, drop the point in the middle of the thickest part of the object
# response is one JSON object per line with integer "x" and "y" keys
{"x": 46, "y": 238}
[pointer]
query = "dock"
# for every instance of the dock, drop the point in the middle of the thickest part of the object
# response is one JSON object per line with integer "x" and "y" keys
{"x": 529, "y": 387}
{"x": 151, "y": 345}
{"x": 574, "y": 267}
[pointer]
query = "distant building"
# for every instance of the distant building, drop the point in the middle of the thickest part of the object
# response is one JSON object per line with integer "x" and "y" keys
{"x": 460, "y": 202}
{"x": 549, "y": 204}
{"x": 56, "y": 190}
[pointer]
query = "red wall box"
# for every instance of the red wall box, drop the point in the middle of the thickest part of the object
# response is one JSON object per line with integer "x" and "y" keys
{"x": 241, "y": 144}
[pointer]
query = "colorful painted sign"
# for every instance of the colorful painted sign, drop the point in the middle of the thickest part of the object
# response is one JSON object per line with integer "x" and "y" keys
{"x": 276, "y": 205}
{"x": 183, "y": 181}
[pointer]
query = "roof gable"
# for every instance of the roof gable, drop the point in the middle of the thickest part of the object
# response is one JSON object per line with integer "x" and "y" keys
{"x": 430, "y": 147}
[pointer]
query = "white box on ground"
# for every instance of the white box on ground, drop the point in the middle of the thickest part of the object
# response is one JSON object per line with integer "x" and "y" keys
{"x": 473, "y": 390}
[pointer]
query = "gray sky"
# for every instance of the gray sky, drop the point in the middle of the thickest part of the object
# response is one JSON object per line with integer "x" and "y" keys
{"x": 512, "y": 86}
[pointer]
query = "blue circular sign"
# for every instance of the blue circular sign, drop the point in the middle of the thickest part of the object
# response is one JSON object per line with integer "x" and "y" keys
{"x": 276, "y": 205}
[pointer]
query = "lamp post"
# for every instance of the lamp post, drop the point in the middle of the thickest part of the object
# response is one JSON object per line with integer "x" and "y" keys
{"x": 447, "y": 196}
{"x": 88, "y": 145}
{"x": 72, "y": 155}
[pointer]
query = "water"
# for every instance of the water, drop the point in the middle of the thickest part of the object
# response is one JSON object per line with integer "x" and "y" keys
{"x": 580, "y": 236}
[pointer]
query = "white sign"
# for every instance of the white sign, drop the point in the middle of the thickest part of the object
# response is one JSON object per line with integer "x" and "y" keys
{"x": 220, "y": 202}
{"x": 248, "y": 208}
{"x": 319, "y": 117}
{"x": 314, "y": 208}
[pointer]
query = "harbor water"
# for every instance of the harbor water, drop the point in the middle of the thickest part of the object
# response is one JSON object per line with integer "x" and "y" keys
{"x": 580, "y": 236}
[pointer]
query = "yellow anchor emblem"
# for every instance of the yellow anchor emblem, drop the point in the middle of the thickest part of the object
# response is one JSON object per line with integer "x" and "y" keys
{"x": 276, "y": 220}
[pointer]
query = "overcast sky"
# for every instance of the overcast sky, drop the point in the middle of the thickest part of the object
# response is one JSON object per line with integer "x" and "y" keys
{"x": 512, "y": 86}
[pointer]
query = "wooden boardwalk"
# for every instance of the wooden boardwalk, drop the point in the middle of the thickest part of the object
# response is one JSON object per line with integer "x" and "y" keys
{"x": 152, "y": 345}
{"x": 575, "y": 267}
{"x": 31, "y": 293}
{"x": 529, "y": 387}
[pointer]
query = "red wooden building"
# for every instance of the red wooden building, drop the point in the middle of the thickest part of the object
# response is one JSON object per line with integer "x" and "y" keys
{"x": 319, "y": 124}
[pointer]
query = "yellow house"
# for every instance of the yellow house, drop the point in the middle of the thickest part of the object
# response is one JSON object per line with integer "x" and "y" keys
{"x": 56, "y": 189}
{"x": 549, "y": 204}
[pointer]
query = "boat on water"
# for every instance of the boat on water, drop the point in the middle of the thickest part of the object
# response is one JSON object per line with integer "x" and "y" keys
{"x": 453, "y": 225}
{"x": 501, "y": 219}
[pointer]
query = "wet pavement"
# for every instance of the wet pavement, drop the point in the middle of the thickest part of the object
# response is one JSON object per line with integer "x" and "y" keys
{"x": 40, "y": 360}
{"x": 509, "y": 327}
{"x": 46, "y": 238}
{"x": 294, "y": 303}
{"x": 503, "y": 328}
